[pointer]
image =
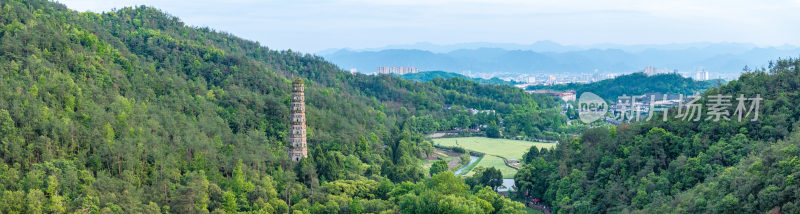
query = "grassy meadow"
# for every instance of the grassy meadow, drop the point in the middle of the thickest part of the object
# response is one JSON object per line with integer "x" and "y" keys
{"x": 509, "y": 149}
{"x": 494, "y": 149}
{"x": 496, "y": 162}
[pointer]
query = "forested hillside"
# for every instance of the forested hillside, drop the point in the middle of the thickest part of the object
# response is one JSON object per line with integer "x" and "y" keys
{"x": 636, "y": 84}
{"x": 132, "y": 111}
{"x": 426, "y": 76}
{"x": 683, "y": 166}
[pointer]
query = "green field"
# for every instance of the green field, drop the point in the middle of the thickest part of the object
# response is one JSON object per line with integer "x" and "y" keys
{"x": 510, "y": 149}
{"x": 494, "y": 149}
{"x": 496, "y": 162}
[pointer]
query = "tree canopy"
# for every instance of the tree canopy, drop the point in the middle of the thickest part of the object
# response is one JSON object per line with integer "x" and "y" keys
{"x": 681, "y": 166}
{"x": 133, "y": 111}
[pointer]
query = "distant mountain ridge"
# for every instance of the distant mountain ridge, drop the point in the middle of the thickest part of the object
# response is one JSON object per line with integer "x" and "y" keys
{"x": 551, "y": 46}
{"x": 550, "y": 57}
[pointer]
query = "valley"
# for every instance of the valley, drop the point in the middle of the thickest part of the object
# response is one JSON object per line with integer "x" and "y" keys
{"x": 134, "y": 110}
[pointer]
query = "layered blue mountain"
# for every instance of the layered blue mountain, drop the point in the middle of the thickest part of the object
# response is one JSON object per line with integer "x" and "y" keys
{"x": 549, "y": 57}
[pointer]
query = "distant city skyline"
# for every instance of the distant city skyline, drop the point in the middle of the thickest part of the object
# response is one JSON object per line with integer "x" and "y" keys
{"x": 310, "y": 26}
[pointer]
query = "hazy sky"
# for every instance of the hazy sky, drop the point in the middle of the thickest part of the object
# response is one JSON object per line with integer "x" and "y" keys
{"x": 310, "y": 25}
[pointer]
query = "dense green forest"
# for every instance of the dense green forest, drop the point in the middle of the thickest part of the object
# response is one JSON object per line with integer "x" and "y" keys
{"x": 636, "y": 84}
{"x": 132, "y": 111}
{"x": 426, "y": 76}
{"x": 682, "y": 166}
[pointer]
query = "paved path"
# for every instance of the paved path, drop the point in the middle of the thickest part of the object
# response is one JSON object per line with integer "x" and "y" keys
{"x": 472, "y": 159}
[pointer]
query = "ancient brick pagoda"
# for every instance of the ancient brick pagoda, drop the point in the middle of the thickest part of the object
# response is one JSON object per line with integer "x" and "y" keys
{"x": 297, "y": 130}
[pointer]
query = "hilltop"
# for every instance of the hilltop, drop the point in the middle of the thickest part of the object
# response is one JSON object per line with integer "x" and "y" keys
{"x": 134, "y": 111}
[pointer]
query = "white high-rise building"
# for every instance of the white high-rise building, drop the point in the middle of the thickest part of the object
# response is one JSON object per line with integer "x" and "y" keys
{"x": 701, "y": 75}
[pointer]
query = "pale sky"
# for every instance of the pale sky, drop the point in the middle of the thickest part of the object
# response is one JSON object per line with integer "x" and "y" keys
{"x": 311, "y": 25}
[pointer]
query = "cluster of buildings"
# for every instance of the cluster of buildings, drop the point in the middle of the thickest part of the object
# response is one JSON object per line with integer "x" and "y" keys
{"x": 564, "y": 95}
{"x": 525, "y": 80}
{"x": 562, "y": 78}
{"x": 397, "y": 70}
{"x": 639, "y": 106}
{"x": 699, "y": 75}
{"x": 650, "y": 71}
